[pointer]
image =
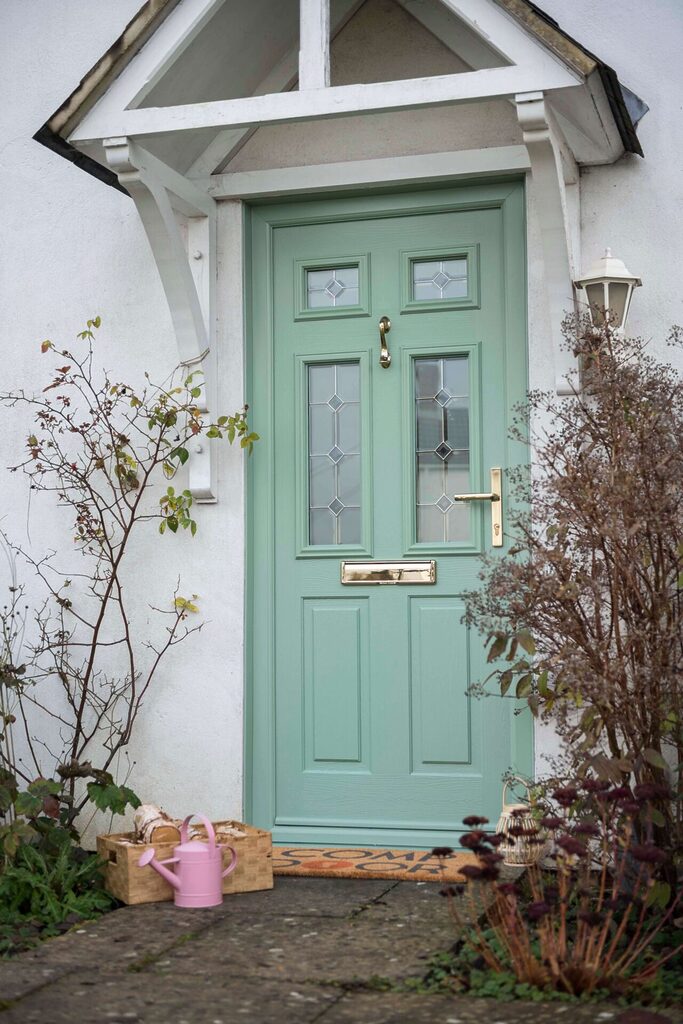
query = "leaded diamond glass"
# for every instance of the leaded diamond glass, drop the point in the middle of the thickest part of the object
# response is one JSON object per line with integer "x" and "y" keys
{"x": 334, "y": 461}
{"x": 436, "y": 280}
{"x": 338, "y": 286}
{"x": 442, "y": 458}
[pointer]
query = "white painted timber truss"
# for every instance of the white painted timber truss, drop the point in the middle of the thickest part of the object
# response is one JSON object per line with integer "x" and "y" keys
{"x": 161, "y": 197}
{"x": 185, "y": 253}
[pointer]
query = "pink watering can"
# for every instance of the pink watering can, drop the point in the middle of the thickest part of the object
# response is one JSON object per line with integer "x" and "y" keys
{"x": 197, "y": 880}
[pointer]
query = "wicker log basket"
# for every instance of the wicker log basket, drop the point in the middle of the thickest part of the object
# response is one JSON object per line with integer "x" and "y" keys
{"x": 525, "y": 849}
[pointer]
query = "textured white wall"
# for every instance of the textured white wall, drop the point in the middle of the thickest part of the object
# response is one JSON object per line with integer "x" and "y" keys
{"x": 73, "y": 247}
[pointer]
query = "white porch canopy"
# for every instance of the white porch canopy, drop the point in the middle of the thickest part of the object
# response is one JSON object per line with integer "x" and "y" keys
{"x": 166, "y": 109}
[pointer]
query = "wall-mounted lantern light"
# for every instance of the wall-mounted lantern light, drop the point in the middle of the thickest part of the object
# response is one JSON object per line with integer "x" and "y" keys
{"x": 609, "y": 289}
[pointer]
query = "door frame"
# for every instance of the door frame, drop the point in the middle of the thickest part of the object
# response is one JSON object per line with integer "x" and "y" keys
{"x": 260, "y": 222}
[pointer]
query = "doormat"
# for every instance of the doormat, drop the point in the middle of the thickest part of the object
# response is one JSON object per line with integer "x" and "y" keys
{"x": 369, "y": 862}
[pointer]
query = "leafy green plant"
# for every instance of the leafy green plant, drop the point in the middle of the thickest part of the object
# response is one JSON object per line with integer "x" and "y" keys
{"x": 601, "y": 921}
{"x": 41, "y": 893}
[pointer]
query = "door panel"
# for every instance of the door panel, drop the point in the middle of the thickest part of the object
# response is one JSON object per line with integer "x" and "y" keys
{"x": 363, "y": 726}
{"x": 440, "y": 712}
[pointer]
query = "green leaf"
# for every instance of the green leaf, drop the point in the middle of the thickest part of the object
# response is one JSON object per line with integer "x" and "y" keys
{"x": 524, "y": 686}
{"x": 654, "y": 758}
{"x": 497, "y": 648}
{"x": 181, "y": 454}
{"x": 28, "y": 805}
{"x": 505, "y": 682}
{"x": 543, "y": 688}
{"x": 657, "y": 817}
{"x": 111, "y": 797}
{"x": 659, "y": 895}
{"x": 525, "y": 639}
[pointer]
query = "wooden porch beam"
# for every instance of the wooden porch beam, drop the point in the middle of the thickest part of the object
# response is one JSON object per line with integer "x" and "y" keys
{"x": 336, "y": 101}
{"x": 381, "y": 171}
{"x": 190, "y": 292}
{"x": 280, "y": 79}
{"x": 314, "y": 44}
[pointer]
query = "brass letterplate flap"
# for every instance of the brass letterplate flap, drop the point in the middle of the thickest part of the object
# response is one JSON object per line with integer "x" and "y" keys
{"x": 406, "y": 572}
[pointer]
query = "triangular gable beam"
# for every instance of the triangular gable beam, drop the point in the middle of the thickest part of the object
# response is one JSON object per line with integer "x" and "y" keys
{"x": 159, "y": 193}
{"x": 281, "y": 78}
{"x": 336, "y": 101}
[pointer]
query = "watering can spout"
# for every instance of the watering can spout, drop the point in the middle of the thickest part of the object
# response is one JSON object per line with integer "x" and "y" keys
{"x": 149, "y": 857}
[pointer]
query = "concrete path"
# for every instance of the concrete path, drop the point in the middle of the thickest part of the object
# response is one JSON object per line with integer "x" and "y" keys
{"x": 310, "y": 951}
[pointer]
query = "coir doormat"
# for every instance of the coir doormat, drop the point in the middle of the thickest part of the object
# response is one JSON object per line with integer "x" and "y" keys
{"x": 368, "y": 862}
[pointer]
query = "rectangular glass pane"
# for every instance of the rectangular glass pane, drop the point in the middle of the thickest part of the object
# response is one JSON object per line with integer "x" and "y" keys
{"x": 436, "y": 280}
{"x": 334, "y": 460}
{"x": 442, "y": 458}
{"x": 338, "y": 286}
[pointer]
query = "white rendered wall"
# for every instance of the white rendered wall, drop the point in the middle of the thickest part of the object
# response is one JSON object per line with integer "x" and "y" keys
{"x": 74, "y": 247}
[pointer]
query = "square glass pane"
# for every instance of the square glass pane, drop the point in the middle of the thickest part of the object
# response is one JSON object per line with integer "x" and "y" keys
{"x": 457, "y": 428}
{"x": 337, "y": 286}
{"x": 323, "y": 481}
{"x": 456, "y": 376}
{"x": 348, "y": 526}
{"x": 431, "y": 479}
{"x": 442, "y": 457}
{"x": 334, "y": 461}
{"x": 320, "y": 383}
{"x": 429, "y": 425}
{"x": 322, "y": 528}
{"x": 436, "y": 280}
{"x": 321, "y": 429}
{"x": 348, "y": 420}
{"x": 427, "y": 377}
{"x": 458, "y": 523}
{"x": 348, "y": 481}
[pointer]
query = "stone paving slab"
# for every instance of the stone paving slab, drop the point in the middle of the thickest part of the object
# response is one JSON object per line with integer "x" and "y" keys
{"x": 307, "y": 953}
{"x": 322, "y": 950}
{"x": 18, "y": 978}
{"x": 85, "y": 998}
{"x": 403, "y": 1008}
{"x": 310, "y": 897}
{"x": 120, "y": 938}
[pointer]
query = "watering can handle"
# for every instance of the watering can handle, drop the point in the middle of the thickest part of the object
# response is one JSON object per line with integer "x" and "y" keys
{"x": 207, "y": 825}
{"x": 233, "y": 863}
{"x": 515, "y": 778}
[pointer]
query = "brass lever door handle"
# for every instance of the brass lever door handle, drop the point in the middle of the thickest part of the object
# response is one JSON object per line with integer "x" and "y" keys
{"x": 384, "y": 356}
{"x": 495, "y": 496}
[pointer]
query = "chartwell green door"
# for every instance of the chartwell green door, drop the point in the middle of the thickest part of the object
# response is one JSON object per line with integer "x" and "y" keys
{"x": 360, "y": 727}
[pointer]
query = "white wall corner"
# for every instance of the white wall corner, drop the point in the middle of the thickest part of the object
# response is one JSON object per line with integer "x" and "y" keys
{"x": 555, "y": 181}
{"x": 186, "y": 261}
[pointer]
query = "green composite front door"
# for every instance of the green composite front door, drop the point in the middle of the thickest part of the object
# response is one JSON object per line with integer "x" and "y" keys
{"x": 361, "y": 726}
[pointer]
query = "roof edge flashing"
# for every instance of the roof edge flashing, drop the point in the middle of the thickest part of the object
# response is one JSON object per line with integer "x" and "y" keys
{"x": 110, "y": 65}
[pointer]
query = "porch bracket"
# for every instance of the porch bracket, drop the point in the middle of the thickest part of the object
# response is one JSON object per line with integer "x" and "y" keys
{"x": 555, "y": 180}
{"x": 163, "y": 199}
